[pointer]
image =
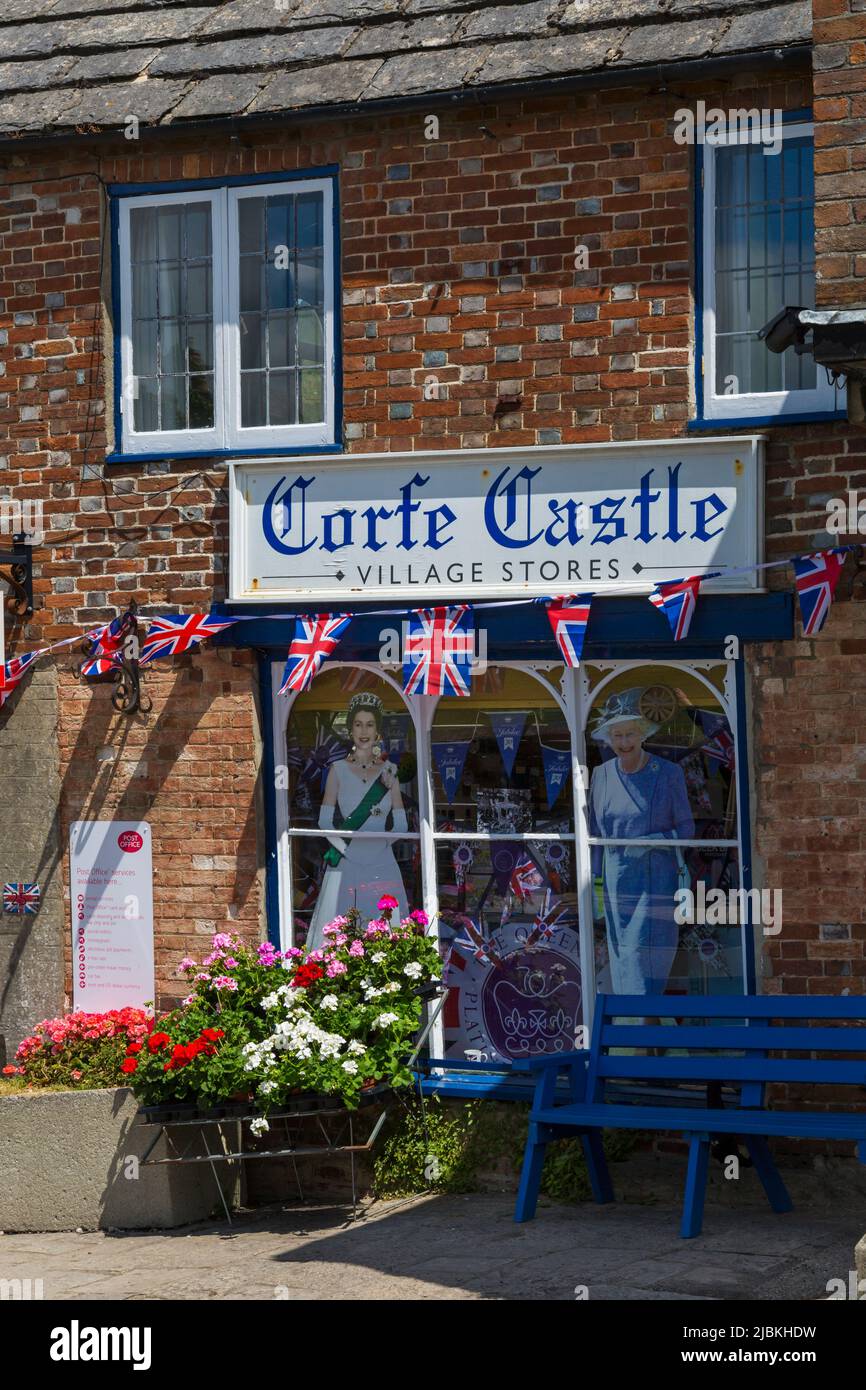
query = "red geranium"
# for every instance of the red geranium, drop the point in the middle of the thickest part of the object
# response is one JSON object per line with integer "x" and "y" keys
{"x": 157, "y": 1040}
{"x": 307, "y": 974}
{"x": 212, "y": 1034}
{"x": 129, "y": 1064}
{"x": 133, "y": 1049}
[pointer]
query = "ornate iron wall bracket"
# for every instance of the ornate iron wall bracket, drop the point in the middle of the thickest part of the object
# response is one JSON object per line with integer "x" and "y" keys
{"x": 127, "y": 697}
{"x": 16, "y": 568}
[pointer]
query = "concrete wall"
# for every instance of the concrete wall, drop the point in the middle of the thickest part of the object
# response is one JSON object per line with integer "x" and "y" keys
{"x": 31, "y": 947}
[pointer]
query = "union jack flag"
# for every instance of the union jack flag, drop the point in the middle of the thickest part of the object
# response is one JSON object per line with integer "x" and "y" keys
{"x": 526, "y": 877}
{"x": 816, "y": 579}
{"x": 178, "y": 632}
{"x": 13, "y": 671}
{"x": 106, "y": 649}
{"x": 546, "y": 922}
{"x": 569, "y": 618}
{"x": 677, "y": 599}
{"x": 721, "y": 747}
{"x": 439, "y": 649}
{"x": 475, "y": 944}
{"x": 316, "y": 636}
{"x": 21, "y": 897}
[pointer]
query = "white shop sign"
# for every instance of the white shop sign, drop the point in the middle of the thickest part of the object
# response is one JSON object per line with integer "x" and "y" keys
{"x": 111, "y": 885}
{"x": 495, "y": 523}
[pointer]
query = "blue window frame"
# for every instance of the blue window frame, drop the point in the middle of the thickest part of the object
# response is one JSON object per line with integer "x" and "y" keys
{"x": 756, "y": 256}
{"x": 226, "y": 299}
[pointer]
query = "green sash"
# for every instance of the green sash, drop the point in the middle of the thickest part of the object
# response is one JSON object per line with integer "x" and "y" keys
{"x": 372, "y": 796}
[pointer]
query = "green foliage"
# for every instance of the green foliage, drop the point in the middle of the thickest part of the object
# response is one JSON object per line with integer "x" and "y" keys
{"x": 447, "y": 1147}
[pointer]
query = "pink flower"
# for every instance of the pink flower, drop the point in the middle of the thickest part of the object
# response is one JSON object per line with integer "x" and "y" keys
{"x": 225, "y": 982}
{"x": 335, "y": 967}
{"x": 212, "y": 958}
{"x": 230, "y": 963}
{"x": 292, "y": 952}
{"x": 316, "y": 955}
{"x": 186, "y": 964}
{"x": 420, "y": 917}
{"x": 222, "y": 941}
{"x": 341, "y": 939}
{"x": 356, "y": 949}
{"x": 202, "y": 975}
{"x": 76, "y": 1075}
{"x": 387, "y": 903}
{"x": 190, "y": 999}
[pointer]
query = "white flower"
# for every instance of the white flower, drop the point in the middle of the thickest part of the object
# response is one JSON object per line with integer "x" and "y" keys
{"x": 270, "y": 1001}
{"x": 413, "y": 969}
{"x": 357, "y": 1048}
{"x": 266, "y": 1087}
{"x": 377, "y": 959}
{"x": 392, "y": 988}
{"x": 383, "y": 1020}
{"x": 350, "y": 1067}
{"x": 259, "y": 1126}
{"x": 331, "y": 1002}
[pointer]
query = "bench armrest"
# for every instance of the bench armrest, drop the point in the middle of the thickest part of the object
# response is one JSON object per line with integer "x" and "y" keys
{"x": 547, "y": 1062}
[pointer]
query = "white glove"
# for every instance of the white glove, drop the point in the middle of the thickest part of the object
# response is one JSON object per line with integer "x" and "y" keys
{"x": 399, "y": 821}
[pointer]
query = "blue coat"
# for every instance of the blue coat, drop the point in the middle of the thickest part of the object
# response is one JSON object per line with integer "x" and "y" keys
{"x": 639, "y": 881}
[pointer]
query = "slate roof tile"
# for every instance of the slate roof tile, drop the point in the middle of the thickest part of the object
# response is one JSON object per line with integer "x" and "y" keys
{"x": 72, "y": 63}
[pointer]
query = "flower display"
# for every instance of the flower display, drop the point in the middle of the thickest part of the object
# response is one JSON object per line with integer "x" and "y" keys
{"x": 274, "y": 1023}
{"x": 83, "y": 1050}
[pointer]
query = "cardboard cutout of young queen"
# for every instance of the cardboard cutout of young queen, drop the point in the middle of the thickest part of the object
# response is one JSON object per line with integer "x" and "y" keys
{"x": 637, "y": 795}
{"x": 361, "y": 792}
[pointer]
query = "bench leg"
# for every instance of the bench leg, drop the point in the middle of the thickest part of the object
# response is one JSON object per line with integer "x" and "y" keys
{"x": 771, "y": 1179}
{"x": 530, "y": 1175}
{"x": 599, "y": 1177}
{"x": 696, "y": 1186}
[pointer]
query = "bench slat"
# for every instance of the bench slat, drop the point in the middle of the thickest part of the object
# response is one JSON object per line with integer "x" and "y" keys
{"x": 731, "y": 1006}
{"x": 734, "y": 1069}
{"x": 746, "y": 1037}
{"x": 790, "y": 1123}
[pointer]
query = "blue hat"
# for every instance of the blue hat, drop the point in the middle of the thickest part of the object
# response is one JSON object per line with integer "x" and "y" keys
{"x": 623, "y": 708}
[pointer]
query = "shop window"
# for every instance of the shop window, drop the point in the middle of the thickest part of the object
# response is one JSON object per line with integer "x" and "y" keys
{"x": 227, "y": 318}
{"x": 759, "y": 256}
{"x": 550, "y": 823}
{"x": 352, "y": 798}
{"x": 661, "y": 819}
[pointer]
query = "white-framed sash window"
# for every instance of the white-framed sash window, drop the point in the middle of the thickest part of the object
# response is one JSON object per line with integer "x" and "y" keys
{"x": 227, "y": 318}
{"x": 758, "y": 257}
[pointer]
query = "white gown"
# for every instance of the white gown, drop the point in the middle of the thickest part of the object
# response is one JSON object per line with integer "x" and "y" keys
{"x": 367, "y": 869}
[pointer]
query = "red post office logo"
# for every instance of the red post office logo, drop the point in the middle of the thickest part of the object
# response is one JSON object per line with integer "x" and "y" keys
{"x": 130, "y": 841}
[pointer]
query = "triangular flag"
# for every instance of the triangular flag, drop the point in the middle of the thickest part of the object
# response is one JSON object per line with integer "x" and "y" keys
{"x": 450, "y": 759}
{"x": 508, "y": 731}
{"x": 677, "y": 599}
{"x": 569, "y": 618}
{"x": 316, "y": 637}
{"x": 816, "y": 579}
{"x": 106, "y": 649}
{"x": 178, "y": 632}
{"x": 13, "y": 672}
{"x": 438, "y": 654}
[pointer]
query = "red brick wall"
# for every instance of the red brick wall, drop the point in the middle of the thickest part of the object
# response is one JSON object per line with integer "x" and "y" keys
{"x": 598, "y": 354}
{"x": 839, "y": 60}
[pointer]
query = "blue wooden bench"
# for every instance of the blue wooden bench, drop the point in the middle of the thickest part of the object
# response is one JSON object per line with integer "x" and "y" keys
{"x": 464, "y": 1080}
{"x": 730, "y": 1040}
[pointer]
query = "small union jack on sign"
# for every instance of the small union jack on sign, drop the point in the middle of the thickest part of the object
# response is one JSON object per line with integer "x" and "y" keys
{"x": 316, "y": 636}
{"x": 677, "y": 599}
{"x": 816, "y": 578}
{"x": 13, "y": 671}
{"x": 438, "y": 652}
{"x": 21, "y": 897}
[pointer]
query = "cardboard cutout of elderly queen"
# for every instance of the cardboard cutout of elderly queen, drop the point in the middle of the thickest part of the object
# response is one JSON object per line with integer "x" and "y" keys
{"x": 637, "y": 795}
{"x": 361, "y": 792}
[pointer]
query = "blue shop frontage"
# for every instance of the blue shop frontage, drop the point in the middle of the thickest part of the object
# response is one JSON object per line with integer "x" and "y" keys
{"x": 562, "y": 823}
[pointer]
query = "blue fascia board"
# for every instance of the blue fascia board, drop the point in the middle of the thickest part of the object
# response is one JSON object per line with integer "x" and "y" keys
{"x": 617, "y": 626}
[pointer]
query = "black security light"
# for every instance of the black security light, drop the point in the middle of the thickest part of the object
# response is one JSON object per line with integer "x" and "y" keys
{"x": 784, "y": 331}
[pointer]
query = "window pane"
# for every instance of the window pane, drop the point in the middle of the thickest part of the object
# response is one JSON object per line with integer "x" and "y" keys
{"x": 281, "y": 276}
{"x": 171, "y": 248}
{"x": 200, "y": 402}
{"x": 252, "y": 341}
{"x": 764, "y": 229}
{"x": 253, "y": 406}
{"x": 347, "y": 737}
{"x": 662, "y": 766}
{"x": 281, "y": 398}
{"x": 146, "y": 412}
{"x": 173, "y": 402}
{"x": 501, "y": 758}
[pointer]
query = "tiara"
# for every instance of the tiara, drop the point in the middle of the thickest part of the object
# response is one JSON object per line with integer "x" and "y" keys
{"x": 365, "y": 700}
